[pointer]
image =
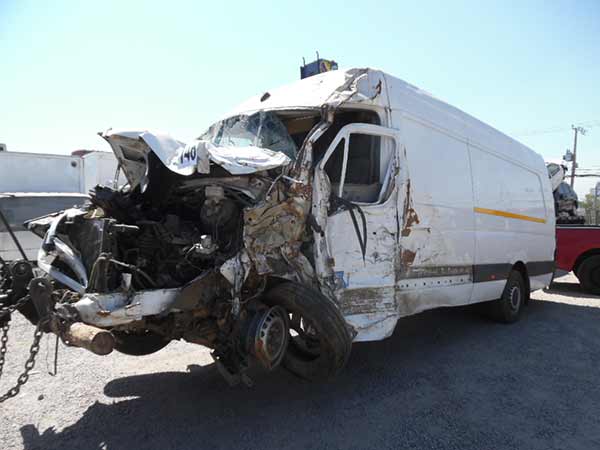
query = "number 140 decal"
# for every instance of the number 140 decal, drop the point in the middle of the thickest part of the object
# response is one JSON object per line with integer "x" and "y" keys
{"x": 189, "y": 155}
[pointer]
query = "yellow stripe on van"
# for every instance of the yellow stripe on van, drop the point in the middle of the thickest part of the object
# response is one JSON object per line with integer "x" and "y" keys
{"x": 495, "y": 212}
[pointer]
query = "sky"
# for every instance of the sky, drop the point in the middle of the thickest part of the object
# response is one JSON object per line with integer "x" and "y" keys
{"x": 69, "y": 69}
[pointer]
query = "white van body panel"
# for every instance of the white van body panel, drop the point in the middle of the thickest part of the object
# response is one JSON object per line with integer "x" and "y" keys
{"x": 468, "y": 204}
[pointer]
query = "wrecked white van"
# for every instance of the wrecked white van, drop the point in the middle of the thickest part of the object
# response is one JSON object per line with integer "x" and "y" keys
{"x": 311, "y": 216}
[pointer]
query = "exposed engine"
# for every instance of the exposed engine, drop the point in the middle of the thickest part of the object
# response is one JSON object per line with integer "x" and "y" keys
{"x": 158, "y": 248}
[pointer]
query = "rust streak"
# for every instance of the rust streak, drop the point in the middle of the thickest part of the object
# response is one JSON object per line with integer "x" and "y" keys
{"x": 407, "y": 257}
{"x": 409, "y": 214}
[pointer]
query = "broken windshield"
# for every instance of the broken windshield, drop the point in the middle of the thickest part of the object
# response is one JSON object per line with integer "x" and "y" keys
{"x": 262, "y": 129}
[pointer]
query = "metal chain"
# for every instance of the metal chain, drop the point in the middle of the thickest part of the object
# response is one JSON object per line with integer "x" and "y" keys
{"x": 3, "y": 341}
{"x": 7, "y": 310}
{"x": 33, "y": 350}
{"x": 29, "y": 365}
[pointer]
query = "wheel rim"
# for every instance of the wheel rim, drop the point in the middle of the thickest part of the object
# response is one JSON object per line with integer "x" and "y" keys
{"x": 514, "y": 297}
{"x": 271, "y": 337}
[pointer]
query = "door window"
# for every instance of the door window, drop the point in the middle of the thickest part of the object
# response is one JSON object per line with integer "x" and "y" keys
{"x": 360, "y": 165}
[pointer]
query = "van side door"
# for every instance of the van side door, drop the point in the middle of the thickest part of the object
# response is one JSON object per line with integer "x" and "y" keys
{"x": 356, "y": 243}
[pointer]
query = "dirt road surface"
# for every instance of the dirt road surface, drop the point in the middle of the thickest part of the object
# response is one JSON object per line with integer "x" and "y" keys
{"x": 447, "y": 379}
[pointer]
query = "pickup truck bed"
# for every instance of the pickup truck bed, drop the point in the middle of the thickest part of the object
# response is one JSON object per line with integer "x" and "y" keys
{"x": 578, "y": 250}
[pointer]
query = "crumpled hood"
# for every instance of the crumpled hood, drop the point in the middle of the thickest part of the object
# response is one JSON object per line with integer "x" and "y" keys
{"x": 132, "y": 147}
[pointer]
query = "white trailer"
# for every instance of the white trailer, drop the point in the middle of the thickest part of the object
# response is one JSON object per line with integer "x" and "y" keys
{"x": 35, "y": 184}
{"x": 100, "y": 168}
{"x": 41, "y": 172}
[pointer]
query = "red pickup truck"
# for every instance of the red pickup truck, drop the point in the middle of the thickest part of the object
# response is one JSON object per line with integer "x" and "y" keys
{"x": 578, "y": 250}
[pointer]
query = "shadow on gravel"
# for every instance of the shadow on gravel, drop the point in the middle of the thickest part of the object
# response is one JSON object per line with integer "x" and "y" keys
{"x": 571, "y": 289}
{"x": 446, "y": 379}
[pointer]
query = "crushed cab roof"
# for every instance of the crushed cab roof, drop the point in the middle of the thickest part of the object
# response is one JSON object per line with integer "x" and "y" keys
{"x": 312, "y": 92}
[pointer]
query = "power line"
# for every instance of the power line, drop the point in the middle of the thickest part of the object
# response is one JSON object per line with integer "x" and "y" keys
{"x": 524, "y": 133}
{"x": 556, "y": 129}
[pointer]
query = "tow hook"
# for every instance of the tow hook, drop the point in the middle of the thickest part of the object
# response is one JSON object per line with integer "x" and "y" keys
{"x": 40, "y": 291}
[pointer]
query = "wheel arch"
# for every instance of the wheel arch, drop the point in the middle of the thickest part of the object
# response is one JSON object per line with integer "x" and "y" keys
{"x": 273, "y": 280}
{"x": 583, "y": 257}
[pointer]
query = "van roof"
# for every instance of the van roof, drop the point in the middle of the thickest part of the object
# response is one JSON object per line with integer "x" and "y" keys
{"x": 308, "y": 93}
{"x": 358, "y": 85}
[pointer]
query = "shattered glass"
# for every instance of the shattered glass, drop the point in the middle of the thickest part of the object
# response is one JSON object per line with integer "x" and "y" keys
{"x": 262, "y": 129}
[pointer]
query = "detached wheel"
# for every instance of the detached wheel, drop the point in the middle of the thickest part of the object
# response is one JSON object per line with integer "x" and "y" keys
{"x": 589, "y": 274}
{"x": 507, "y": 308}
{"x": 319, "y": 343}
{"x": 139, "y": 343}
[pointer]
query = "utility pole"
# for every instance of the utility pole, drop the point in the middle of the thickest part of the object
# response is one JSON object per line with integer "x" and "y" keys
{"x": 574, "y": 162}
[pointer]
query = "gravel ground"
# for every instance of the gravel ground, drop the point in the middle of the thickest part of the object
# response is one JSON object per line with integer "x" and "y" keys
{"x": 447, "y": 379}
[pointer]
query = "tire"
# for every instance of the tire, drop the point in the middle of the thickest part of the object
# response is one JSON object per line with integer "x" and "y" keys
{"x": 330, "y": 338}
{"x": 136, "y": 344}
{"x": 507, "y": 309}
{"x": 589, "y": 274}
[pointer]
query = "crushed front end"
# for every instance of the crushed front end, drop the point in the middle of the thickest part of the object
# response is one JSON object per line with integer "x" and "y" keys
{"x": 204, "y": 244}
{"x": 221, "y": 242}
